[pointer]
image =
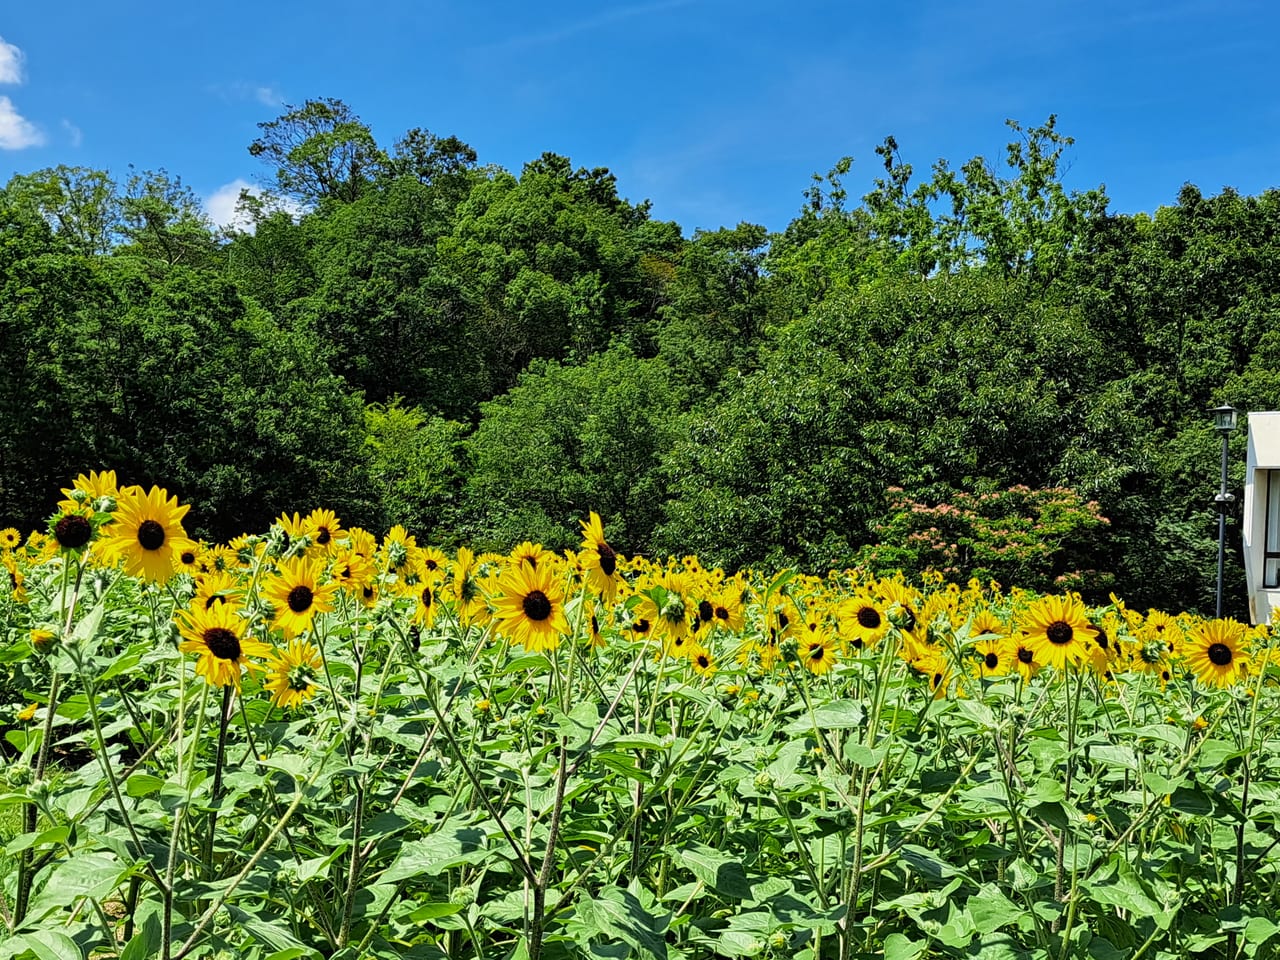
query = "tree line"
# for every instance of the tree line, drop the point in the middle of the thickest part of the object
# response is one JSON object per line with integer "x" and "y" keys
{"x": 974, "y": 370}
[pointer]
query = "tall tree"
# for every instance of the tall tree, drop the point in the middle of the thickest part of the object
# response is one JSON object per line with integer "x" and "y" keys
{"x": 320, "y": 150}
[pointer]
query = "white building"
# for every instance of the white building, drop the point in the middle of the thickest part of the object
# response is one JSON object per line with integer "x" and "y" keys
{"x": 1262, "y": 516}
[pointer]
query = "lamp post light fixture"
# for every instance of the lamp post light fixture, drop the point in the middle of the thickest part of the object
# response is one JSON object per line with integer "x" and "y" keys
{"x": 1224, "y": 421}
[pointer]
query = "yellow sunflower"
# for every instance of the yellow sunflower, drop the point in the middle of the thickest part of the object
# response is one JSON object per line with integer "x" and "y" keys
{"x": 530, "y": 607}
{"x": 996, "y": 656}
{"x": 292, "y": 673}
{"x": 534, "y": 554}
{"x": 187, "y": 560}
{"x": 592, "y": 623}
{"x": 88, "y": 490}
{"x": 297, "y": 596}
{"x": 1025, "y": 660}
{"x": 464, "y": 586}
{"x": 1057, "y": 630}
{"x": 146, "y": 532}
{"x": 14, "y": 578}
{"x": 600, "y": 559}
{"x": 72, "y": 528}
{"x": 728, "y": 611}
{"x": 216, "y": 633}
{"x": 818, "y": 653}
{"x": 704, "y": 664}
{"x": 294, "y": 530}
{"x": 323, "y": 527}
{"x": 216, "y": 588}
{"x": 398, "y": 547}
{"x": 863, "y": 622}
{"x": 1217, "y": 652}
{"x": 425, "y": 606}
{"x": 351, "y": 570}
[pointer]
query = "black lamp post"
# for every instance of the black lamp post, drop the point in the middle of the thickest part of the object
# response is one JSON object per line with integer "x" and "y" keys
{"x": 1224, "y": 421}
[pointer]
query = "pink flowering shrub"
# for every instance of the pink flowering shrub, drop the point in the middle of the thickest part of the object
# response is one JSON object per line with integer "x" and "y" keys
{"x": 1041, "y": 539}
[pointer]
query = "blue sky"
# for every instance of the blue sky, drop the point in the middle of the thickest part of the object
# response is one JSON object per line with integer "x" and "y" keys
{"x": 716, "y": 110}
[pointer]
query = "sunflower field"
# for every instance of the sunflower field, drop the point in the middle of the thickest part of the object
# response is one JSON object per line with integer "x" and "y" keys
{"x": 318, "y": 742}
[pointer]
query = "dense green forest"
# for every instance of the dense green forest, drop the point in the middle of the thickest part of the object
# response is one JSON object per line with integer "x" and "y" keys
{"x": 976, "y": 370}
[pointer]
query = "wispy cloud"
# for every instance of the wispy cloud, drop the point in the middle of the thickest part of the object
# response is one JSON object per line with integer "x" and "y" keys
{"x": 16, "y": 131}
{"x": 566, "y": 30}
{"x": 224, "y": 210}
{"x": 74, "y": 134}
{"x": 267, "y": 94}
{"x": 10, "y": 62}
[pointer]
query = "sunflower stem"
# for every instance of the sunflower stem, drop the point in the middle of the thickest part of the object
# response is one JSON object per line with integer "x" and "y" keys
{"x": 224, "y": 719}
{"x": 353, "y": 868}
{"x": 30, "y": 815}
{"x": 536, "y": 926}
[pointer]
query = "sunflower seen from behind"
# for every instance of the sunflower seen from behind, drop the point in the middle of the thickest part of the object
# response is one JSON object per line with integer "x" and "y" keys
{"x": 297, "y": 596}
{"x": 292, "y": 673}
{"x": 94, "y": 490}
{"x": 1217, "y": 652}
{"x": 146, "y": 533}
{"x": 529, "y": 605}
{"x": 217, "y": 635}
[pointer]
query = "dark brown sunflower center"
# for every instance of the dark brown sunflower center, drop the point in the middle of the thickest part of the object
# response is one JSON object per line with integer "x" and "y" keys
{"x": 1219, "y": 654}
{"x": 72, "y": 532}
{"x": 1025, "y": 655}
{"x": 991, "y": 660}
{"x": 1059, "y": 632}
{"x": 869, "y": 618}
{"x": 300, "y": 598}
{"x": 608, "y": 559}
{"x": 705, "y": 611}
{"x": 222, "y": 643}
{"x": 536, "y": 605}
{"x": 150, "y": 535}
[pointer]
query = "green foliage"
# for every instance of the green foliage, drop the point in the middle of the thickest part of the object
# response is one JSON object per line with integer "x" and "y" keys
{"x": 319, "y": 151}
{"x": 417, "y": 465}
{"x": 976, "y": 328}
{"x": 714, "y": 318}
{"x": 570, "y": 439}
{"x": 961, "y": 383}
{"x": 1044, "y": 540}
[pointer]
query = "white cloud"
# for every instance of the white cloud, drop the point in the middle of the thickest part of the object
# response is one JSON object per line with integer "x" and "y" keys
{"x": 16, "y": 131}
{"x": 10, "y": 63}
{"x": 74, "y": 133}
{"x": 222, "y": 206}
{"x": 269, "y": 96}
